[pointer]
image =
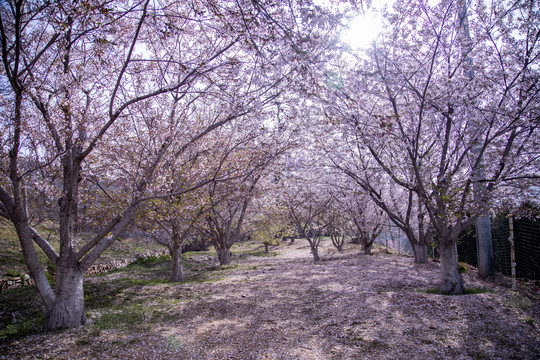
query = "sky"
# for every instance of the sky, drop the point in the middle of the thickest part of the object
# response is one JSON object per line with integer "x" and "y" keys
{"x": 363, "y": 30}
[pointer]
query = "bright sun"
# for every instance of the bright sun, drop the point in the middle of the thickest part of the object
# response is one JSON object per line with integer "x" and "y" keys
{"x": 363, "y": 30}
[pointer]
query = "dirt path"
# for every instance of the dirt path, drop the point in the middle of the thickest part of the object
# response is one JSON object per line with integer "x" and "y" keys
{"x": 349, "y": 306}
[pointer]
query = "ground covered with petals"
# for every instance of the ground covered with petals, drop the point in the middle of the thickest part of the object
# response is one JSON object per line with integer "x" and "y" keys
{"x": 285, "y": 306}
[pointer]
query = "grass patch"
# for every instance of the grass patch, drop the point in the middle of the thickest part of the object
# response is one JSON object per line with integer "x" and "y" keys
{"x": 128, "y": 282}
{"x": 467, "y": 291}
{"x": 115, "y": 299}
{"x": 21, "y": 313}
{"x": 519, "y": 301}
{"x": 202, "y": 277}
{"x": 11, "y": 258}
{"x": 195, "y": 254}
{"x": 129, "y": 317}
{"x": 104, "y": 294}
{"x": 262, "y": 253}
{"x": 148, "y": 261}
{"x": 174, "y": 343}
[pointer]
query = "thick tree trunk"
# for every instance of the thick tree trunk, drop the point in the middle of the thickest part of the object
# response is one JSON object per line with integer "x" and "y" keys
{"x": 367, "y": 249}
{"x": 224, "y": 255}
{"x": 451, "y": 279}
{"x": 67, "y": 310}
{"x": 420, "y": 253}
{"x": 177, "y": 273}
{"x": 267, "y": 249}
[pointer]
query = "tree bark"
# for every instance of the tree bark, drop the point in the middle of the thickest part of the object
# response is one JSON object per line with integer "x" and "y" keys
{"x": 315, "y": 252}
{"x": 451, "y": 279}
{"x": 177, "y": 273}
{"x": 420, "y": 253}
{"x": 224, "y": 255}
{"x": 67, "y": 310}
{"x": 367, "y": 249}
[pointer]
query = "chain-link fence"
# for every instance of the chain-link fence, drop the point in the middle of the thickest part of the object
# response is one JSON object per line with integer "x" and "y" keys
{"x": 527, "y": 247}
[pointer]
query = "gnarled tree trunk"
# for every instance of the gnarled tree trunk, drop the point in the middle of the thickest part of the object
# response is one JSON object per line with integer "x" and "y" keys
{"x": 224, "y": 255}
{"x": 67, "y": 310}
{"x": 420, "y": 253}
{"x": 451, "y": 279}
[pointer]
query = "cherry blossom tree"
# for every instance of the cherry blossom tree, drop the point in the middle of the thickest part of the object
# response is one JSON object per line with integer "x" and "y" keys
{"x": 252, "y": 151}
{"x": 229, "y": 203}
{"x": 341, "y": 222}
{"x": 88, "y": 83}
{"x": 367, "y": 218}
{"x": 425, "y": 127}
{"x": 307, "y": 202}
{"x": 267, "y": 220}
{"x": 337, "y": 230}
{"x": 172, "y": 222}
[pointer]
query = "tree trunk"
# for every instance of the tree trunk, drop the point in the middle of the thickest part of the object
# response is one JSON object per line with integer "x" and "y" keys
{"x": 420, "y": 253}
{"x": 315, "y": 252}
{"x": 367, "y": 249}
{"x": 451, "y": 279}
{"x": 177, "y": 273}
{"x": 340, "y": 247}
{"x": 267, "y": 249}
{"x": 67, "y": 310}
{"x": 224, "y": 255}
{"x": 204, "y": 245}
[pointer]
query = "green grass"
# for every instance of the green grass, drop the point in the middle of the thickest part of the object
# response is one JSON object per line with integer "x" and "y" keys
{"x": 519, "y": 301}
{"x": 116, "y": 300}
{"x": 250, "y": 248}
{"x": 150, "y": 260}
{"x": 130, "y": 317}
{"x": 467, "y": 291}
{"x": 21, "y": 313}
{"x": 130, "y": 302}
{"x": 11, "y": 258}
{"x": 200, "y": 254}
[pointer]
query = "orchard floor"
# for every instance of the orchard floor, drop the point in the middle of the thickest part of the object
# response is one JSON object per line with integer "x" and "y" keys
{"x": 348, "y": 306}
